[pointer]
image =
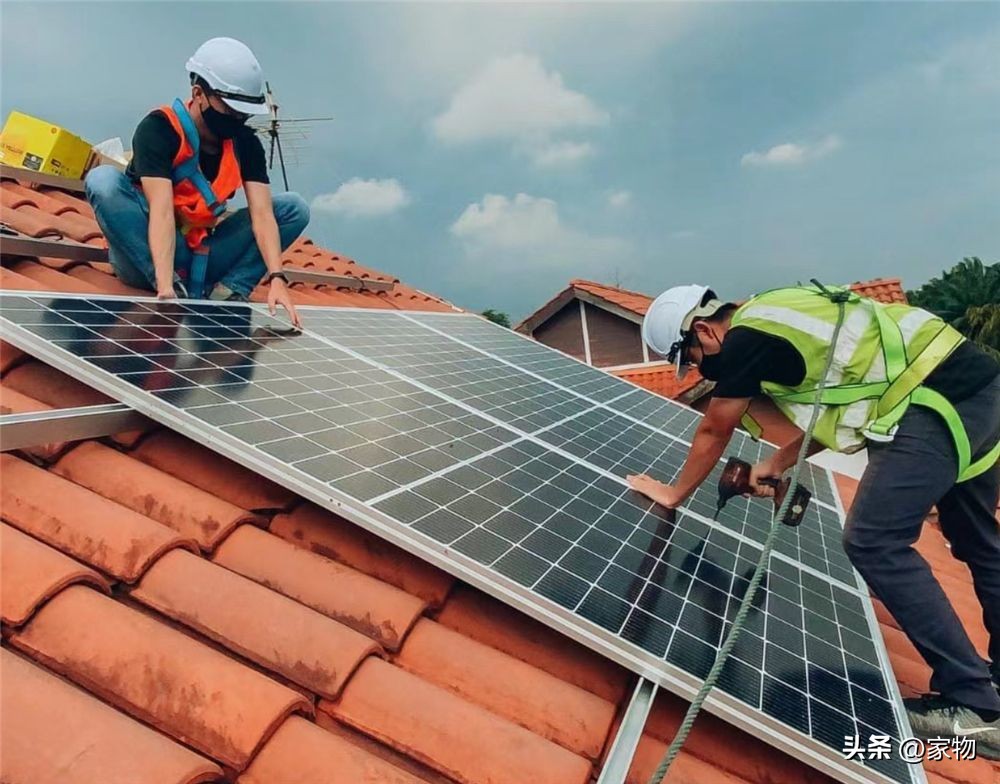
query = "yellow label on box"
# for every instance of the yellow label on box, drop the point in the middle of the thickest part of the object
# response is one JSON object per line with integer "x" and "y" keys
{"x": 30, "y": 143}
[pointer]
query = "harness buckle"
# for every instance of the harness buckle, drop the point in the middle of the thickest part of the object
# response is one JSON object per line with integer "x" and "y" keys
{"x": 880, "y": 436}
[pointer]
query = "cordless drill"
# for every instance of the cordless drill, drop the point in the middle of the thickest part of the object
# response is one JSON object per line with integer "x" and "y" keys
{"x": 735, "y": 480}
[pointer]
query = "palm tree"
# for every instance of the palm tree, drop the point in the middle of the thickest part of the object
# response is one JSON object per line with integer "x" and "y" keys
{"x": 968, "y": 297}
{"x": 969, "y": 283}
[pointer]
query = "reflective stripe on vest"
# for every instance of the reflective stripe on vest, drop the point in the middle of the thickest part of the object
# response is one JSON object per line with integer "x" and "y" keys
{"x": 882, "y": 357}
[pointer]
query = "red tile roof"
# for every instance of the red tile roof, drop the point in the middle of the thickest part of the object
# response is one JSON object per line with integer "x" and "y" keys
{"x": 887, "y": 290}
{"x": 660, "y": 378}
{"x": 630, "y": 300}
{"x": 48, "y": 213}
{"x": 252, "y": 635}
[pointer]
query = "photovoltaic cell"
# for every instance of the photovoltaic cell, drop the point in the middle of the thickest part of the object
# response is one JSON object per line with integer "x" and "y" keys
{"x": 510, "y": 459}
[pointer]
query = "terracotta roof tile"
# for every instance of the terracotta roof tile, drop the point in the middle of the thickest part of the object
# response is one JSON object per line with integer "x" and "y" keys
{"x": 32, "y": 572}
{"x": 109, "y": 537}
{"x": 104, "y": 281}
{"x": 182, "y": 687}
{"x": 190, "y": 511}
{"x": 277, "y": 633}
{"x": 635, "y": 301}
{"x": 48, "y": 278}
{"x": 43, "y": 382}
{"x": 327, "y": 534}
{"x": 62, "y": 735}
{"x": 376, "y": 609}
{"x": 13, "y": 402}
{"x": 661, "y": 379}
{"x": 509, "y": 687}
{"x": 301, "y": 752}
{"x": 686, "y": 769}
{"x": 461, "y": 740}
{"x": 180, "y": 457}
{"x": 483, "y": 618}
{"x": 887, "y": 290}
{"x": 9, "y": 356}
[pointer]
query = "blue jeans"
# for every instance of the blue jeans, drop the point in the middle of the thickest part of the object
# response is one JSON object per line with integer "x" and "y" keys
{"x": 234, "y": 259}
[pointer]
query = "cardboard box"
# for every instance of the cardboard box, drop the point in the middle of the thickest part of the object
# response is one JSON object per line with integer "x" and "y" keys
{"x": 30, "y": 143}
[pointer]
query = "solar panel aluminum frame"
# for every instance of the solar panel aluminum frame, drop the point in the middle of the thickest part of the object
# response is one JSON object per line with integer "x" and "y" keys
{"x": 546, "y": 611}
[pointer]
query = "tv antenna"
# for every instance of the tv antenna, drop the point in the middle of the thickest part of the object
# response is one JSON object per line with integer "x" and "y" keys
{"x": 294, "y": 132}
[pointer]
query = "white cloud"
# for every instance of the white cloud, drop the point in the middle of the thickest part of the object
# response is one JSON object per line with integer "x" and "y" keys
{"x": 561, "y": 153}
{"x": 793, "y": 154}
{"x": 515, "y": 99}
{"x": 619, "y": 199}
{"x": 363, "y": 198}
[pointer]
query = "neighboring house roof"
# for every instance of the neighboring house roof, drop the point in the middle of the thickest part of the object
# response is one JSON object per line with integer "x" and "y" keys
{"x": 661, "y": 378}
{"x": 887, "y": 290}
{"x": 630, "y": 305}
{"x": 236, "y": 630}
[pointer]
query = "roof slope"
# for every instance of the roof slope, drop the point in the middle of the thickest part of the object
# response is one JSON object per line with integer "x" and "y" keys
{"x": 171, "y": 617}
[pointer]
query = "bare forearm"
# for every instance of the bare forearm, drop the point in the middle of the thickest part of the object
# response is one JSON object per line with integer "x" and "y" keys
{"x": 707, "y": 448}
{"x": 265, "y": 232}
{"x": 162, "y": 245}
{"x": 786, "y": 456}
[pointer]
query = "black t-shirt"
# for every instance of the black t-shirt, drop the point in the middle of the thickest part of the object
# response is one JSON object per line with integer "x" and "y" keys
{"x": 155, "y": 144}
{"x": 750, "y": 357}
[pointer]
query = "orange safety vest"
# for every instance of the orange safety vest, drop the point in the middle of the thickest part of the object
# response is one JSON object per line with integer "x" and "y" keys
{"x": 198, "y": 203}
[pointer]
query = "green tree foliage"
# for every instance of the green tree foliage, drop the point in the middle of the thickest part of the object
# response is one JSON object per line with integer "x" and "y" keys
{"x": 968, "y": 297}
{"x": 497, "y": 317}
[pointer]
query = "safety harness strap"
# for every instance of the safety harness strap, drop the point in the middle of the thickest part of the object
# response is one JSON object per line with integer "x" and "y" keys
{"x": 189, "y": 169}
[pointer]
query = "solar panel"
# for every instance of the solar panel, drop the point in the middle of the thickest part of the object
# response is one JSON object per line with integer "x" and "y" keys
{"x": 503, "y": 462}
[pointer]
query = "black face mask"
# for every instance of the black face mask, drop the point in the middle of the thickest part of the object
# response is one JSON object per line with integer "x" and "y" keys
{"x": 225, "y": 126}
{"x": 711, "y": 366}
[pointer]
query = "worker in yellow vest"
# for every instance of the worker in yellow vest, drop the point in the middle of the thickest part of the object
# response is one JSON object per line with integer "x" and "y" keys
{"x": 926, "y": 404}
{"x": 165, "y": 217}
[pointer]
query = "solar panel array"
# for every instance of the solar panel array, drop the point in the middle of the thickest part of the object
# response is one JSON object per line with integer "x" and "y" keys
{"x": 504, "y": 461}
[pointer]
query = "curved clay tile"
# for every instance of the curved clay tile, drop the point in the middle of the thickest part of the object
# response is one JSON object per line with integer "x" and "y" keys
{"x": 43, "y": 382}
{"x": 455, "y": 737}
{"x": 76, "y": 203}
{"x": 52, "y": 279}
{"x": 13, "y": 402}
{"x": 31, "y": 572}
{"x": 201, "y": 467}
{"x": 62, "y": 735}
{"x": 493, "y": 623}
{"x": 121, "y": 478}
{"x": 12, "y": 281}
{"x": 300, "y": 751}
{"x": 374, "y": 608}
{"x": 688, "y": 768}
{"x": 30, "y": 220}
{"x": 40, "y": 199}
{"x": 332, "y": 536}
{"x": 105, "y": 282}
{"x": 107, "y": 536}
{"x": 158, "y": 674}
{"x": 10, "y": 355}
{"x": 13, "y": 195}
{"x": 550, "y": 707}
{"x": 277, "y": 633}
{"x": 77, "y": 227}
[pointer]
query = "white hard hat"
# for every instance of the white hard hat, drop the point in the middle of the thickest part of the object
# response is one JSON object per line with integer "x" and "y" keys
{"x": 232, "y": 71}
{"x": 668, "y": 319}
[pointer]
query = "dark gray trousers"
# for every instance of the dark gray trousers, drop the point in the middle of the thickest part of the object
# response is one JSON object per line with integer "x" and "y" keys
{"x": 904, "y": 479}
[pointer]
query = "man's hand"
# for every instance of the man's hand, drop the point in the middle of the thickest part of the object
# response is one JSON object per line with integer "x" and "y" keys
{"x": 277, "y": 294}
{"x": 766, "y": 469}
{"x": 166, "y": 293}
{"x": 663, "y": 494}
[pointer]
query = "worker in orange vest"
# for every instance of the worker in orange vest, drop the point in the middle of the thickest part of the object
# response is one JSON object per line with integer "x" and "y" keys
{"x": 165, "y": 217}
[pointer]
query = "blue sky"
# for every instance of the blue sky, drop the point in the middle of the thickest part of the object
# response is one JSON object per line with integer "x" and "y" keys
{"x": 490, "y": 153}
